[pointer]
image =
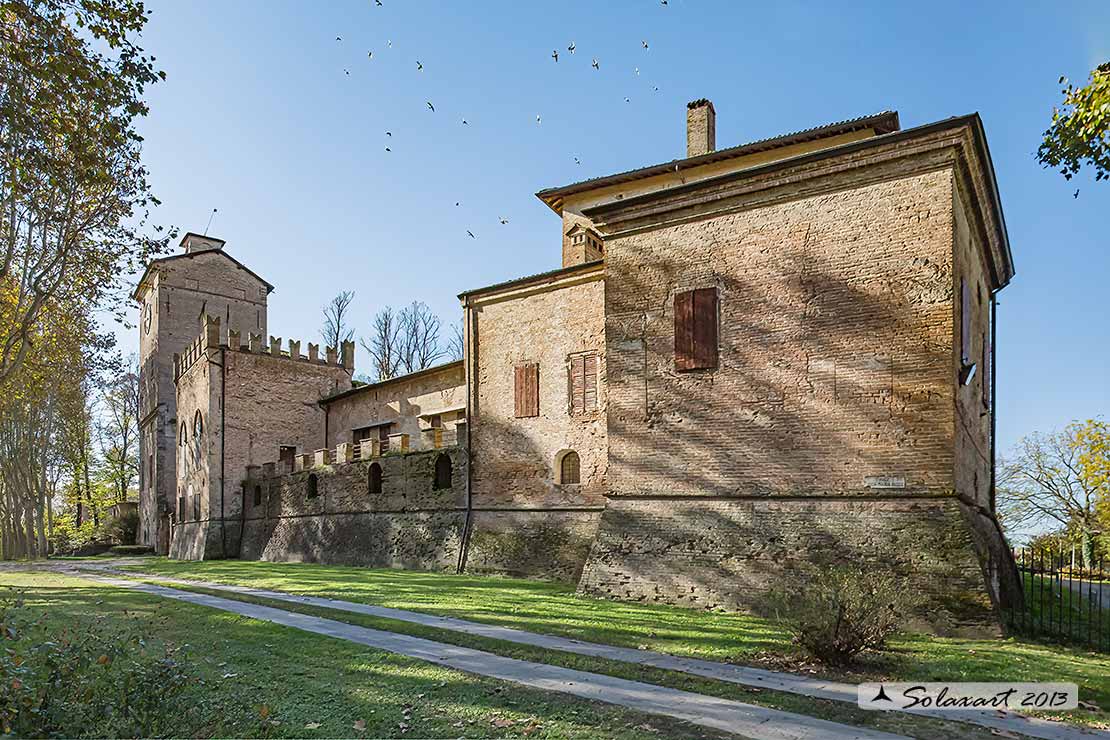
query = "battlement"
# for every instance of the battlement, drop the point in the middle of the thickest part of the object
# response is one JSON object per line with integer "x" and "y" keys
{"x": 212, "y": 337}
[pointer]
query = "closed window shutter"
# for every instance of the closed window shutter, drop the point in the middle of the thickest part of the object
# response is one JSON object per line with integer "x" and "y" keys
{"x": 965, "y": 322}
{"x": 577, "y": 385}
{"x": 527, "y": 390}
{"x": 589, "y": 373}
{"x": 695, "y": 329}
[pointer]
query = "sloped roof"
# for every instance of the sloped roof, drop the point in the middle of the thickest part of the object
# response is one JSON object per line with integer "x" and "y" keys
{"x": 883, "y": 122}
{"x": 163, "y": 260}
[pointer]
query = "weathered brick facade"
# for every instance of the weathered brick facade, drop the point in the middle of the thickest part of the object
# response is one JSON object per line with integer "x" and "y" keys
{"x": 842, "y": 412}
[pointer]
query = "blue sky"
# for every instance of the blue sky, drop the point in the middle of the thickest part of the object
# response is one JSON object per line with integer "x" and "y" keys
{"x": 259, "y": 118}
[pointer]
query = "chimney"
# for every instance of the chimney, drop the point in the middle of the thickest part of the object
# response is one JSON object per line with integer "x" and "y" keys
{"x": 192, "y": 243}
{"x": 701, "y": 128}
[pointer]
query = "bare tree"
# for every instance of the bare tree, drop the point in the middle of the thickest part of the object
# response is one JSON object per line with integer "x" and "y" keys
{"x": 384, "y": 344}
{"x": 419, "y": 337}
{"x": 1043, "y": 485}
{"x": 456, "y": 344}
{"x": 336, "y": 328}
{"x": 119, "y": 431}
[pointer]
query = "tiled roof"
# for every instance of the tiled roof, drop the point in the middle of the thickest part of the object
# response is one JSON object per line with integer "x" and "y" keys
{"x": 883, "y": 122}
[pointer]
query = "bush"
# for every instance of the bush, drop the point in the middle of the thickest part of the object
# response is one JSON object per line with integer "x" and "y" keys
{"x": 86, "y": 681}
{"x": 835, "y": 612}
{"x": 122, "y": 530}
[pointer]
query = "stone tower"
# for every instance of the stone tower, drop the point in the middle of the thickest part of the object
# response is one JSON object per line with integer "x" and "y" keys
{"x": 174, "y": 295}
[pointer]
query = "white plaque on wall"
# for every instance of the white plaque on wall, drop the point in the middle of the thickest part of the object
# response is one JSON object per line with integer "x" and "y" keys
{"x": 884, "y": 481}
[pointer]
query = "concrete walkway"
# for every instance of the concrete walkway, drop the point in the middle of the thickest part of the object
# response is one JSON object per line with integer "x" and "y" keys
{"x": 708, "y": 711}
{"x": 756, "y": 677}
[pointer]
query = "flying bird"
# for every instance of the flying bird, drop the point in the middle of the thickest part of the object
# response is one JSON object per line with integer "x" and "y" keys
{"x": 1076, "y": 195}
{"x": 637, "y": 70}
{"x": 555, "y": 55}
{"x": 387, "y": 41}
{"x": 456, "y": 204}
{"x": 627, "y": 100}
{"x": 369, "y": 55}
{"x": 537, "y": 119}
{"x": 571, "y": 47}
{"x": 379, "y": 3}
{"x": 419, "y": 66}
{"x": 503, "y": 220}
{"x": 431, "y": 107}
{"x": 346, "y": 71}
{"x": 661, "y": 2}
{"x": 470, "y": 234}
{"x": 576, "y": 161}
{"x": 465, "y": 122}
{"x": 655, "y": 88}
{"x": 389, "y": 133}
{"x": 595, "y": 65}
{"x": 644, "y": 44}
{"x": 338, "y": 38}
{"x": 388, "y": 149}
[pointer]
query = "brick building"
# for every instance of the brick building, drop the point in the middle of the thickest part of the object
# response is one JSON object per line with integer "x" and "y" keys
{"x": 751, "y": 361}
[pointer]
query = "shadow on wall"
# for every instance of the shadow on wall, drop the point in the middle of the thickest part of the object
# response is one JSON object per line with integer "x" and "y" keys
{"x": 822, "y": 381}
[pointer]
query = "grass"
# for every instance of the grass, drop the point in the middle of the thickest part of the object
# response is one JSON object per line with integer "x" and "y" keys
{"x": 553, "y": 608}
{"x": 315, "y": 686}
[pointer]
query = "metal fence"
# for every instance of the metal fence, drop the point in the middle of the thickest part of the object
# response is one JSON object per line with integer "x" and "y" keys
{"x": 1065, "y": 599}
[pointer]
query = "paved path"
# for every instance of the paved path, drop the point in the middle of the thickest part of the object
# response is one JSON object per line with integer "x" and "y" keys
{"x": 708, "y": 711}
{"x": 757, "y": 677}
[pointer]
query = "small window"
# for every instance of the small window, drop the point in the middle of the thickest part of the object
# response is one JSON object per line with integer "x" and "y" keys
{"x": 313, "y": 489}
{"x": 695, "y": 329}
{"x": 258, "y": 495}
{"x": 180, "y": 508}
{"x": 357, "y": 435}
{"x": 374, "y": 478}
{"x": 198, "y": 436}
{"x": 196, "y": 508}
{"x": 443, "y": 473}
{"x": 526, "y": 390}
{"x": 435, "y": 421}
{"x": 570, "y": 468}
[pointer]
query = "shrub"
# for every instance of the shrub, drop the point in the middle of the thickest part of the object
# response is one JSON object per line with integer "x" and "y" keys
{"x": 836, "y": 612}
{"x": 86, "y": 681}
{"x": 131, "y": 550}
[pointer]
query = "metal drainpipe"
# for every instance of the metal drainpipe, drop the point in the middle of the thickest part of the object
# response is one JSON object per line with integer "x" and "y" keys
{"x": 994, "y": 396}
{"x": 470, "y": 351}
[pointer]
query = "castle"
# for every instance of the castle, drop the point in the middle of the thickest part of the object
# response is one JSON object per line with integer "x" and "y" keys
{"x": 751, "y": 360}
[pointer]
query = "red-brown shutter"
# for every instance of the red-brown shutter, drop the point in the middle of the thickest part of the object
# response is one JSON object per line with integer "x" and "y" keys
{"x": 527, "y": 390}
{"x": 684, "y": 330}
{"x": 695, "y": 329}
{"x": 589, "y": 381}
{"x": 577, "y": 385}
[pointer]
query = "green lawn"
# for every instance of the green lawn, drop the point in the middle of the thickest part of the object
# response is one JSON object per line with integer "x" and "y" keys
{"x": 315, "y": 686}
{"x": 554, "y": 609}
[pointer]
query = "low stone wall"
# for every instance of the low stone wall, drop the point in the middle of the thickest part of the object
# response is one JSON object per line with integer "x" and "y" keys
{"x": 409, "y": 524}
{"x": 546, "y": 544}
{"x": 728, "y": 553}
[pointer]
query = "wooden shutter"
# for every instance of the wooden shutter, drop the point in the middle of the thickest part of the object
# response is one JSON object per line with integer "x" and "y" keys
{"x": 965, "y": 322}
{"x": 695, "y": 329}
{"x": 582, "y": 370}
{"x": 589, "y": 379}
{"x": 526, "y": 390}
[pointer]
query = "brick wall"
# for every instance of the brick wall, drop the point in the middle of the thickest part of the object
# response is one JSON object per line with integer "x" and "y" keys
{"x": 409, "y": 524}
{"x": 178, "y": 293}
{"x": 830, "y": 422}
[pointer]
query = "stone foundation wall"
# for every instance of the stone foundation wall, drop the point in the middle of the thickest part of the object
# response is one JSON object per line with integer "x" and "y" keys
{"x": 728, "y": 553}
{"x": 552, "y": 545}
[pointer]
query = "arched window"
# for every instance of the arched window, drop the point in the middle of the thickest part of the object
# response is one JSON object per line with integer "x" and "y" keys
{"x": 375, "y": 478}
{"x": 198, "y": 436}
{"x": 443, "y": 472}
{"x": 183, "y": 450}
{"x": 570, "y": 468}
{"x": 313, "y": 489}
{"x": 258, "y": 495}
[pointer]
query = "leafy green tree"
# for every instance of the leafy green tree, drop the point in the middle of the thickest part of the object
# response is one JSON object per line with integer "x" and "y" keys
{"x": 1080, "y": 130}
{"x": 74, "y": 198}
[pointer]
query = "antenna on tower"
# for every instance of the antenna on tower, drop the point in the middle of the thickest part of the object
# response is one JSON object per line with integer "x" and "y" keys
{"x": 210, "y": 221}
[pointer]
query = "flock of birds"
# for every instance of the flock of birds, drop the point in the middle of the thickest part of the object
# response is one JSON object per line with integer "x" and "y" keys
{"x": 571, "y": 48}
